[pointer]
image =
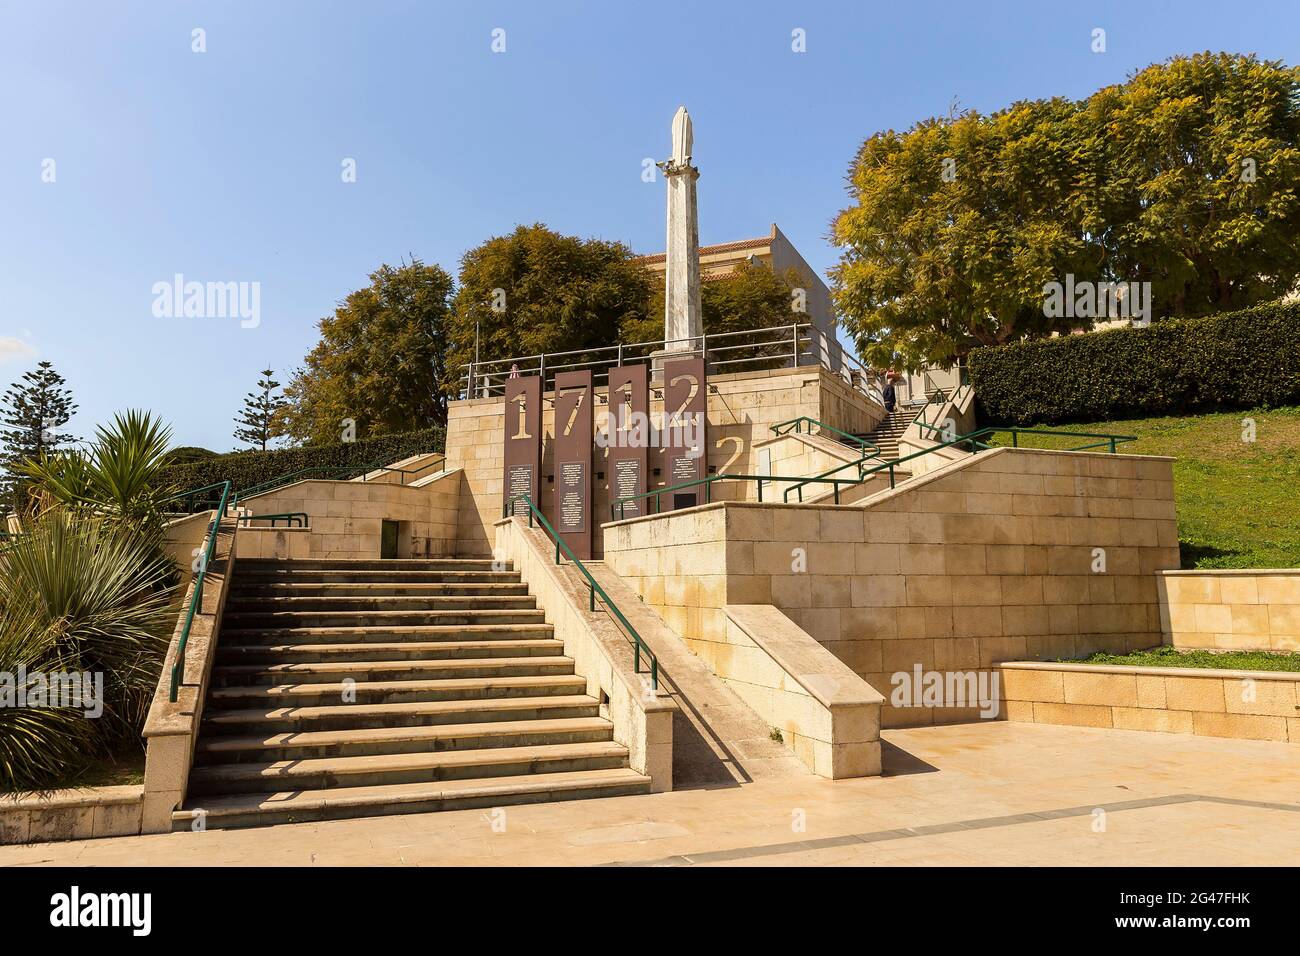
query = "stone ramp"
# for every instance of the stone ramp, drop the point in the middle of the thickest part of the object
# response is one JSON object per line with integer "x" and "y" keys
{"x": 717, "y": 739}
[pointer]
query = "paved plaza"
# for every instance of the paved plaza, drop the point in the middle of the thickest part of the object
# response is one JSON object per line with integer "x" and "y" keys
{"x": 973, "y": 794}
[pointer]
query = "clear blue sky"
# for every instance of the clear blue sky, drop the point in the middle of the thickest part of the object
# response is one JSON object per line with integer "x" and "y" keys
{"x": 225, "y": 165}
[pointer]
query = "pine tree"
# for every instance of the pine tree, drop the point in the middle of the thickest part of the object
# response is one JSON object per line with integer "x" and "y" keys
{"x": 256, "y": 424}
{"x": 31, "y": 412}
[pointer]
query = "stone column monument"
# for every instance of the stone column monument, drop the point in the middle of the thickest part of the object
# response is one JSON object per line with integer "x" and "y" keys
{"x": 682, "y": 318}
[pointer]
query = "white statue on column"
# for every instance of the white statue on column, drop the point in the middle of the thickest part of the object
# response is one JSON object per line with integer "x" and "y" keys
{"x": 683, "y": 322}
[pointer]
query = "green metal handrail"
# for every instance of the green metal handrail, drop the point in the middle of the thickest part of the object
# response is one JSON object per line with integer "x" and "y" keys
{"x": 292, "y": 519}
{"x": 783, "y": 428}
{"x": 639, "y": 646}
{"x": 618, "y": 507}
{"x": 192, "y": 499}
{"x": 196, "y": 601}
{"x": 973, "y": 439}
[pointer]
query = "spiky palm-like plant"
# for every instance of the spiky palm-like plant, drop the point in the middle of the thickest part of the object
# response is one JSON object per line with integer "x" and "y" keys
{"x": 118, "y": 475}
{"x": 97, "y": 591}
{"x": 39, "y": 747}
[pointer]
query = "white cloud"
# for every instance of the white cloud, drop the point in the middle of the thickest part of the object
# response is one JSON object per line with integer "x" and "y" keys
{"x": 13, "y": 348}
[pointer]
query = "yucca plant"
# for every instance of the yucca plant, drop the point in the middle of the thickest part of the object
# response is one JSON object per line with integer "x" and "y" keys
{"x": 39, "y": 747}
{"x": 99, "y": 590}
{"x": 119, "y": 475}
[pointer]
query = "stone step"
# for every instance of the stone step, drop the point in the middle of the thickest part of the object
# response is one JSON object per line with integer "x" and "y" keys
{"x": 244, "y": 576}
{"x": 369, "y": 564}
{"x": 378, "y": 651}
{"x": 385, "y": 634}
{"x": 394, "y": 691}
{"x": 411, "y": 714}
{"x": 274, "y": 619}
{"x": 294, "y": 588}
{"x": 330, "y": 672}
{"x": 241, "y": 604}
{"x": 299, "y": 806}
{"x": 434, "y": 738}
{"x": 383, "y": 769}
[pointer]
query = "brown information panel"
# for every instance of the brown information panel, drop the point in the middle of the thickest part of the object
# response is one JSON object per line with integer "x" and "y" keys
{"x": 629, "y": 438}
{"x": 523, "y": 441}
{"x": 684, "y": 424}
{"x": 573, "y": 418}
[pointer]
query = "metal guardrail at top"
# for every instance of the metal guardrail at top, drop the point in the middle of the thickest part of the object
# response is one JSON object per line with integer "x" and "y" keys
{"x": 196, "y": 600}
{"x": 788, "y": 346}
{"x": 639, "y": 646}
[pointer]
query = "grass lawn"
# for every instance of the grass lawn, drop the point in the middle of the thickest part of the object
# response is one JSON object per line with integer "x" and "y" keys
{"x": 1223, "y": 660}
{"x": 1238, "y": 502}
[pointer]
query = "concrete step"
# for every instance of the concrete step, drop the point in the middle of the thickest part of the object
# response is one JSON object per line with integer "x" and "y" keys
{"x": 369, "y": 564}
{"x": 329, "y": 672}
{"x": 241, "y": 604}
{"x": 265, "y": 721}
{"x": 435, "y": 738}
{"x": 299, "y": 806}
{"x": 394, "y": 691}
{"x": 385, "y": 634}
{"x": 292, "y": 588}
{"x": 378, "y": 651}
{"x": 274, "y": 619}
{"x": 244, "y": 576}
{"x": 383, "y": 769}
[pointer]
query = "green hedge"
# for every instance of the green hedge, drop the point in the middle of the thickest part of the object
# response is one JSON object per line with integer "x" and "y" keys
{"x": 248, "y": 468}
{"x": 1246, "y": 359}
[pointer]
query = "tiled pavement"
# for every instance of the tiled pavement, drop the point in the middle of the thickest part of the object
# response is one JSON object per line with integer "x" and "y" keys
{"x": 974, "y": 794}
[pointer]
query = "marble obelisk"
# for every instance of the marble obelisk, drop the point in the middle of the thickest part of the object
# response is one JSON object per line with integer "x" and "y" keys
{"x": 683, "y": 324}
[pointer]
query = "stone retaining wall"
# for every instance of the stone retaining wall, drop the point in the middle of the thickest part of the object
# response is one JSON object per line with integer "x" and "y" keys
{"x": 1256, "y": 610}
{"x": 1250, "y": 705}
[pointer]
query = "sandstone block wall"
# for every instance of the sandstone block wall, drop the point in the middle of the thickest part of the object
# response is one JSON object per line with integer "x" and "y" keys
{"x": 986, "y": 560}
{"x": 1255, "y": 610}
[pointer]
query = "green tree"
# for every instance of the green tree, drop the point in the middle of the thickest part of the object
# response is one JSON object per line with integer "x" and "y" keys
{"x": 257, "y": 423}
{"x": 1203, "y": 185}
{"x": 536, "y": 291}
{"x": 32, "y": 411}
{"x": 958, "y": 224}
{"x": 379, "y": 361}
{"x": 748, "y": 297}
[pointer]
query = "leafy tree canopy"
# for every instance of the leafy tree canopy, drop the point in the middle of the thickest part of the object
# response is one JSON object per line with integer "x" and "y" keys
{"x": 536, "y": 291}
{"x": 379, "y": 360}
{"x": 1186, "y": 176}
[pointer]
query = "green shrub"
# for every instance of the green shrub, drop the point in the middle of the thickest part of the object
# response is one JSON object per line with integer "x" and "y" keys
{"x": 80, "y": 593}
{"x": 1245, "y": 359}
{"x": 248, "y": 468}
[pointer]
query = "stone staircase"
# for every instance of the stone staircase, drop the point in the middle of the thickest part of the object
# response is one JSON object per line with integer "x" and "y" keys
{"x": 346, "y": 688}
{"x": 891, "y": 427}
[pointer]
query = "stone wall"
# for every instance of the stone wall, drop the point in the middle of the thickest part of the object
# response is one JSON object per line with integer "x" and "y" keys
{"x": 742, "y": 407}
{"x": 1251, "y": 705}
{"x": 988, "y": 559}
{"x": 346, "y": 517}
{"x": 827, "y": 715}
{"x": 1257, "y": 610}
